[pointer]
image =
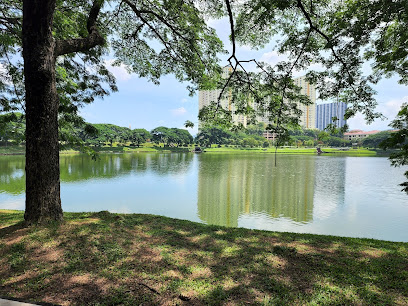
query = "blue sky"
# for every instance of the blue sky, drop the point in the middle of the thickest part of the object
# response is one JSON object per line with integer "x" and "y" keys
{"x": 141, "y": 104}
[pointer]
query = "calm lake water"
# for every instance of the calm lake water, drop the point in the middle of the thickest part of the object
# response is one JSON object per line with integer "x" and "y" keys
{"x": 344, "y": 196}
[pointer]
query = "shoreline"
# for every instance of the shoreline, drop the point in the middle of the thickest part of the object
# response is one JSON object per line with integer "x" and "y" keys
{"x": 293, "y": 151}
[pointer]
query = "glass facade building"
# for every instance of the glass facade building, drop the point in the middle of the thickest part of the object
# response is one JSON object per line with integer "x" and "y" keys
{"x": 325, "y": 113}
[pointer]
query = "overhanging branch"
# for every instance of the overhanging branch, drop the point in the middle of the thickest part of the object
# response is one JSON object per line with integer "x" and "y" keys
{"x": 83, "y": 44}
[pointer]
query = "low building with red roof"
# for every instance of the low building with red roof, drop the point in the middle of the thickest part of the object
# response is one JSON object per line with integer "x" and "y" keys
{"x": 358, "y": 134}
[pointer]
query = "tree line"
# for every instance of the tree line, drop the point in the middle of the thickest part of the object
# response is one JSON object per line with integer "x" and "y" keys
{"x": 12, "y": 130}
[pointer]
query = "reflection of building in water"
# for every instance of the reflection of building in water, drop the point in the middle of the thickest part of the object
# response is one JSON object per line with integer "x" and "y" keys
{"x": 230, "y": 186}
{"x": 329, "y": 187}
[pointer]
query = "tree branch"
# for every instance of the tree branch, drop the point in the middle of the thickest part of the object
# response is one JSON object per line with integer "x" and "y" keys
{"x": 329, "y": 44}
{"x": 83, "y": 44}
{"x": 176, "y": 33}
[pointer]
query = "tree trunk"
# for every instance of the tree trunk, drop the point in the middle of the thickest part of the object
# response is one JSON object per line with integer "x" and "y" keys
{"x": 43, "y": 201}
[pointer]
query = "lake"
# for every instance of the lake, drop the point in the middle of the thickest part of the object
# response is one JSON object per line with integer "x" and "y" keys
{"x": 332, "y": 195}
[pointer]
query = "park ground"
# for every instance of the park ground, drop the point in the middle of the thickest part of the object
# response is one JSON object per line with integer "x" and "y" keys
{"x": 115, "y": 259}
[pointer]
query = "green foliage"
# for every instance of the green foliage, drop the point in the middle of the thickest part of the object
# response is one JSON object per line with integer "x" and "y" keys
{"x": 373, "y": 141}
{"x": 151, "y": 39}
{"x": 154, "y": 39}
{"x": 323, "y": 136}
{"x": 12, "y": 127}
{"x": 171, "y": 136}
{"x": 209, "y": 135}
{"x": 399, "y": 140}
{"x": 139, "y": 136}
{"x": 188, "y": 124}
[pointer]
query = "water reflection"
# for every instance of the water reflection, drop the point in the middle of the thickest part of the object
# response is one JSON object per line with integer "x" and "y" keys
{"x": 229, "y": 187}
{"x": 346, "y": 196}
{"x": 79, "y": 167}
{"x": 329, "y": 185}
{"x": 12, "y": 175}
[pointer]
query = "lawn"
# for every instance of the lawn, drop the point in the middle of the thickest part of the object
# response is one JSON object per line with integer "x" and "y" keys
{"x": 293, "y": 150}
{"x": 109, "y": 259}
{"x": 151, "y": 147}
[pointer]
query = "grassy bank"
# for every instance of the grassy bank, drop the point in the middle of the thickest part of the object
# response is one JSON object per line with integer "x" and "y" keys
{"x": 12, "y": 150}
{"x": 149, "y": 147}
{"x": 301, "y": 150}
{"x": 110, "y": 259}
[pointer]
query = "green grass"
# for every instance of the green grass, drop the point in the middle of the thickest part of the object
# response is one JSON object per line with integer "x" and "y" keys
{"x": 110, "y": 259}
{"x": 151, "y": 147}
{"x": 285, "y": 150}
{"x": 12, "y": 149}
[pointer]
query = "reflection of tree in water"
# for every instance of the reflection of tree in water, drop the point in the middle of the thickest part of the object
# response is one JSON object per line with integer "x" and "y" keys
{"x": 80, "y": 167}
{"x": 12, "y": 175}
{"x": 171, "y": 163}
{"x": 229, "y": 186}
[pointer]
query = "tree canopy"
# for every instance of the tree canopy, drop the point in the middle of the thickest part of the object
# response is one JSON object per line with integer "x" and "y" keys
{"x": 399, "y": 140}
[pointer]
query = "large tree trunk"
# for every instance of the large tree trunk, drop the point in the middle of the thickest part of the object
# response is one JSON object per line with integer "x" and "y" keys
{"x": 43, "y": 201}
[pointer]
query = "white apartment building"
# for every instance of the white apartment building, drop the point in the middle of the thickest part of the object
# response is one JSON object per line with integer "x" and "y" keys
{"x": 205, "y": 97}
{"x": 308, "y": 117}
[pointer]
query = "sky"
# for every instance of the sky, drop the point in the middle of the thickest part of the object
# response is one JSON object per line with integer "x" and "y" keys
{"x": 141, "y": 104}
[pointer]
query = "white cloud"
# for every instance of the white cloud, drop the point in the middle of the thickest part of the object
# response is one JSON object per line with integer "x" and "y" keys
{"x": 120, "y": 72}
{"x": 178, "y": 111}
{"x": 392, "y": 107}
{"x": 184, "y": 100}
{"x": 389, "y": 109}
{"x": 4, "y": 75}
{"x": 272, "y": 58}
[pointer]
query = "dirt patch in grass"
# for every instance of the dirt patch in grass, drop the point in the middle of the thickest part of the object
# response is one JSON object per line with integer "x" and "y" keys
{"x": 110, "y": 259}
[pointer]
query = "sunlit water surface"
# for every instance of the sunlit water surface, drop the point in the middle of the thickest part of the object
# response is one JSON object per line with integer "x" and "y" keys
{"x": 344, "y": 196}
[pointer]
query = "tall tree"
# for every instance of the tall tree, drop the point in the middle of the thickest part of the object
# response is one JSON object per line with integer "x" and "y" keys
{"x": 53, "y": 35}
{"x": 40, "y": 52}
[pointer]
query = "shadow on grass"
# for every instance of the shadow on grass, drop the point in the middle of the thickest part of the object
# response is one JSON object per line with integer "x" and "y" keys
{"x": 108, "y": 259}
{"x": 4, "y": 231}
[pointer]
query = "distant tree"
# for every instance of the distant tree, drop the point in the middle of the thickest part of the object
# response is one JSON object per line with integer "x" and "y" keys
{"x": 373, "y": 141}
{"x": 266, "y": 144}
{"x": 182, "y": 137}
{"x": 250, "y": 142}
{"x": 323, "y": 136}
{"x": 160, "y": 134}
{"x": 12, "y": 128}
{"x": 257, "y": 129}
{"x": 139, "y": 136}
{"x": 310, "y": 143}
{"x": 334, "y": 141}
{"x": 209, "y": 135}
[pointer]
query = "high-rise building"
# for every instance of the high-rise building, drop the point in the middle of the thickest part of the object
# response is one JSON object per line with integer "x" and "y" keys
{"x": 205, "y": 97}
{"x": 308, "y": 117}
{"x": 327, "y": 111}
